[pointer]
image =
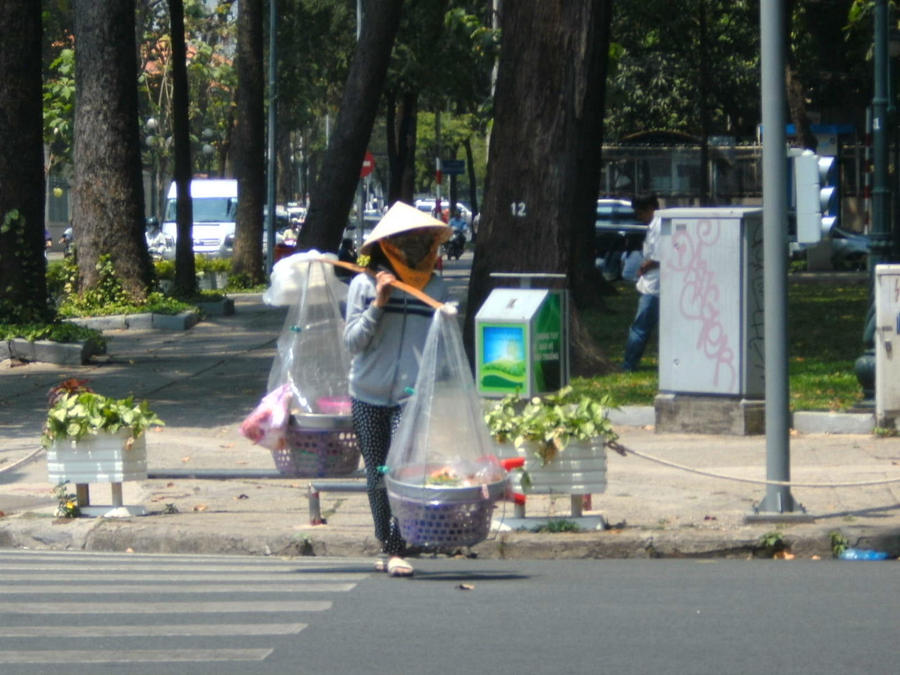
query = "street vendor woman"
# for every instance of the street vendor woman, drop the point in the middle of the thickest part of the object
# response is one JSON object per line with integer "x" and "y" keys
{"x": 385, "y": 333}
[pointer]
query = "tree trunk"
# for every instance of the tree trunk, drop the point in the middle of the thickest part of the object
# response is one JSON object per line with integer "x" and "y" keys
{"x": 108, "y": 195}
{"x": 544, "y": 163}
{"x": 401, "y": 126}
{"x": 185, "y": 271}
{"x": 470, "y": 171}
{"x": 286, "y": 175}
{"x": 249, "y": 142}
{"x": 23, "y": 286}
{"x": 332, "y": 196}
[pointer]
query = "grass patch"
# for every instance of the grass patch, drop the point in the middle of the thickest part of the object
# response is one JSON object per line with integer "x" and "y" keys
{"x": 825, "y": 326}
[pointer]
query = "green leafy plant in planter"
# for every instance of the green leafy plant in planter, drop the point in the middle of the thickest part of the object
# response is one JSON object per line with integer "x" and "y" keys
{"x": 165, "y": 269}
{"x": 76, "y": 411}
{"x": 109, "y": 297}
{"x": 56, "y": 331}
{"x": 551, "y": 421}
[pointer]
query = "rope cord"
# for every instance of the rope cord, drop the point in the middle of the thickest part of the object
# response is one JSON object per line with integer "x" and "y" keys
{"x": 22, "y": 461}
{"x": 622, "y": 450}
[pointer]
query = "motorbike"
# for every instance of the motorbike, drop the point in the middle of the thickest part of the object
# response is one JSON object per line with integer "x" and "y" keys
{"x": 456, "y": 245}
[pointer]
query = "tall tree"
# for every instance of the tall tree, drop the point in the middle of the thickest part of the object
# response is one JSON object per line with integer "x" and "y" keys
{"x": 332, "y": 195}
{"x": 185, "y": 273}
{"x": 544, "y": 161}
{"x": 23, "y": 287}
{"x": 108, "y": 205}
{"x": 249, "y": 142}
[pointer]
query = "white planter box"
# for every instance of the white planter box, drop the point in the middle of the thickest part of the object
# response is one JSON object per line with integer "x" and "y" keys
{"x": 580, "y": 469}
{"x": 97, "y": 459}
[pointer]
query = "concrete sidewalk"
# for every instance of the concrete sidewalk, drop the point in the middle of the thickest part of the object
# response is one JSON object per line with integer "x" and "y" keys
{"x": 205, "y": 380}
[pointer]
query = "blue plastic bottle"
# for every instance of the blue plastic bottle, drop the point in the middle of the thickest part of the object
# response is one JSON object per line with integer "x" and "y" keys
{"x": 862, "y": 554}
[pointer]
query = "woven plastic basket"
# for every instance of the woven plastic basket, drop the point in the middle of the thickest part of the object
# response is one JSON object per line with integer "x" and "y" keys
{"x": 443, "y": 518}
{"x": 318, "y": 446}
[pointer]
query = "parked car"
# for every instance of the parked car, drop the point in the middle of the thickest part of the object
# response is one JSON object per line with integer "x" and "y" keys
{"x": 427, "y": 205}
{"x": 617, "y": 232}
{"x": 849, "y": 250}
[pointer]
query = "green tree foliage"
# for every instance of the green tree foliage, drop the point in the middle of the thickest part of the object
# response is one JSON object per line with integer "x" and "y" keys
{"x": 693, "y": 65}
{"x": 672, "y": 63}
{"x": 315, "y": 43}
{"x": 210, "y": 31}
{"x": 441, "y": 65}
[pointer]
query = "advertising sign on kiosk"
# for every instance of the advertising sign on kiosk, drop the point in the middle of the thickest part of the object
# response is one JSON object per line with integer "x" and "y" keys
{"x": 520, "y": 344}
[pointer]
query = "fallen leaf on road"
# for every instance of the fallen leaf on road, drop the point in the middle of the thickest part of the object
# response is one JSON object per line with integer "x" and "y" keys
{"x": 466, "y": 587}
{"x": 170, "y": 484}
{"x": 200, "y": 507}
{"x": 242, "y": 496}
{"x": 185, "y": 459}
{"x": 784, "y": 555}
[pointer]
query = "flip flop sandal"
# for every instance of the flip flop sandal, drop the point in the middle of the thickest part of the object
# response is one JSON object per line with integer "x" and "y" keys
{"x": 398, "y": 567}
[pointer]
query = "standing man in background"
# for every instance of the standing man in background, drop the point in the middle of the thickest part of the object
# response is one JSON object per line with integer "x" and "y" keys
{"x": 647, "y": 316}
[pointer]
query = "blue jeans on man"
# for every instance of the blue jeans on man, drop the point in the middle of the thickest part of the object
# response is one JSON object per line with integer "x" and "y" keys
{"x": 645, "y": 321}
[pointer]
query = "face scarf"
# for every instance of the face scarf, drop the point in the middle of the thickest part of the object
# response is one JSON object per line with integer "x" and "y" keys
{"x": 412, "y": 256}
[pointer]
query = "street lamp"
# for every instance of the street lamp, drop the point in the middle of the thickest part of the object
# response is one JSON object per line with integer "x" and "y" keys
{"x": 208, "y": 149}
{"x": 880, "y": 236}
{"x": 152, "y": 125}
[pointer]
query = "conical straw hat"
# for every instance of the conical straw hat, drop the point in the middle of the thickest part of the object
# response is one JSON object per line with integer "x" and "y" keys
{"x": 402, "y": 217}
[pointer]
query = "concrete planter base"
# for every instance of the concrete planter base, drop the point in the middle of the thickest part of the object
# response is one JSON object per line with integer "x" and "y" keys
{"x": 148, "y": 321}
{"x": 223, "y": 307}
{"x": 63, "y": 353}
{"x": 705, "y": 414}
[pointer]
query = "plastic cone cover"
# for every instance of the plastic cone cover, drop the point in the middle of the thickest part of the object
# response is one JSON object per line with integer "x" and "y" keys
{"x": 402, "y": 217}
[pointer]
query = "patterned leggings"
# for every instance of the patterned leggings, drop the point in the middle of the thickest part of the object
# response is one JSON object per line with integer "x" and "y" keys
{"x": 375, "y": 425}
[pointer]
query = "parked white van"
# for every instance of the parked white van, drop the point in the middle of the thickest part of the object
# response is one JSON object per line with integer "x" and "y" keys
{"x": 214, "y": 202}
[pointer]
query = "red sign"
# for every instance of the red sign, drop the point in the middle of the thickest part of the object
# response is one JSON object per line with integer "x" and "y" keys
{"x": 368, "y": 165}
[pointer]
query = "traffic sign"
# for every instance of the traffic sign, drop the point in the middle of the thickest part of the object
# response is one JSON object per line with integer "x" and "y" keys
{"x": 368, "y": 165}
{"x": 453, "y": 167}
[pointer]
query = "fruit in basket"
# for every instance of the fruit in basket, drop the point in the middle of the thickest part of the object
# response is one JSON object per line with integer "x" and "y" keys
{"x": 443, "y": 476}
{"x": 456, "y": 475}
{"x": 333, "y": 405}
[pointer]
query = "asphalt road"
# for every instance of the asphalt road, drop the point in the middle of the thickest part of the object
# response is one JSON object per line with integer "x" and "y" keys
{"x": 199, "y": 614}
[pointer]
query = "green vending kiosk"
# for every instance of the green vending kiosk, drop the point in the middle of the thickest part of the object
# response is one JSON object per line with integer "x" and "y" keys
{"x": 520, "y": 342}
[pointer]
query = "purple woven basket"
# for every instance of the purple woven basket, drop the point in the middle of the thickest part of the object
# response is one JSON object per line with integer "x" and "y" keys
{"x": 443, "y": 518}
{"x": 442, "y": 526}
{"x": 318, "y": 452}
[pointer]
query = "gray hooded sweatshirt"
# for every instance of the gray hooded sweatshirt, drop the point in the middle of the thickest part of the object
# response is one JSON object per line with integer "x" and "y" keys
{"x": 386, "y": 343}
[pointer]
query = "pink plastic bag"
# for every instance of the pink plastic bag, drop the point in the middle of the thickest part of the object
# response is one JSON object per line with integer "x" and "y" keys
{"x": 267, "y": 424}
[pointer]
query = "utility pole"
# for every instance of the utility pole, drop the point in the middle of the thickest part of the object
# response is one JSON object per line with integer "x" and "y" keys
{"x": 272, "y": 165}
{"x": 778, "y": 500}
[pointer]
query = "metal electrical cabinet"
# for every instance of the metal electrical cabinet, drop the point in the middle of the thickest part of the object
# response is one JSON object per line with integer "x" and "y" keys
{"x": 887, "y": 343}
{"x": 711, "y": 328}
